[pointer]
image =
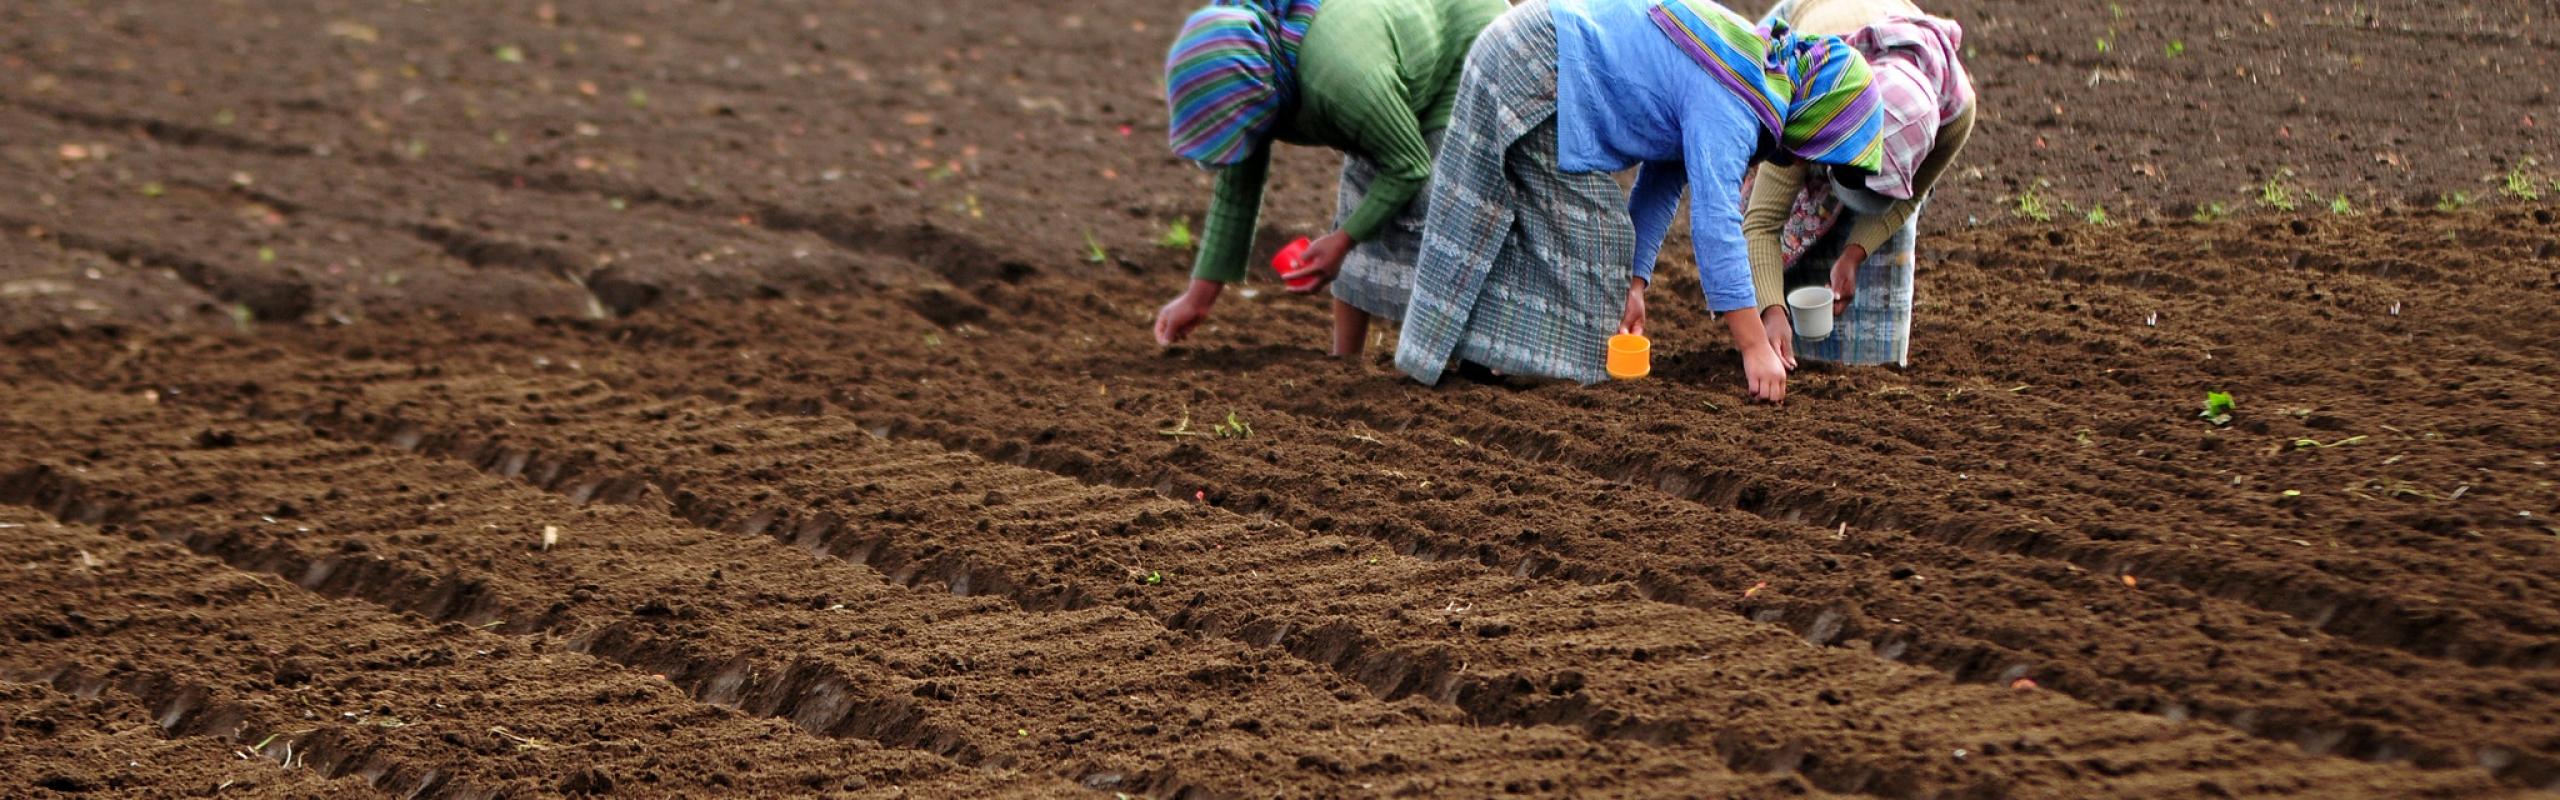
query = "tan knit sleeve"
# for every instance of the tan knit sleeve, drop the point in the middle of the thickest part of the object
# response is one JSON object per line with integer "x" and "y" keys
{"x": 1872, "y": 231}
{"x": 1764, "y": 219}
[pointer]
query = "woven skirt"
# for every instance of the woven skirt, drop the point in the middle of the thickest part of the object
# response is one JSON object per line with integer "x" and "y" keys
{"x": 1377, "y": 276}
{"x": 1524, "y": 267}
{"x": 1876, "y": 327}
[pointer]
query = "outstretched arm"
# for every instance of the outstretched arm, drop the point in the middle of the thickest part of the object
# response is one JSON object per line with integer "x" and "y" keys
{"x": 1716, "y": 161}
{"x": 1235, "y": 209}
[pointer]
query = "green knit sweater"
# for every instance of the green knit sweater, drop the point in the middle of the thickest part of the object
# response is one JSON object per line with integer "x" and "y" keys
{"x": 1374, "y": 76}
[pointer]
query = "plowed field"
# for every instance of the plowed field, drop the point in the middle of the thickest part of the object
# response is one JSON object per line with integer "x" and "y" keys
{"x": 479, "y": 399}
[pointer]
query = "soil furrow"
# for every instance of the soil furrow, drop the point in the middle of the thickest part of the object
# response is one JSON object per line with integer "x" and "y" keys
{"x": 69, "y": 744}
{"x": 1244, "y": 573}
{"x": 735, "y": 620}
{"x": 1873, "y": 624}
{"x": 401, "y": 706}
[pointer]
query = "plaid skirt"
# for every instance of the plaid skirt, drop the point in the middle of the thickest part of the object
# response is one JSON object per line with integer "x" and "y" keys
{"x": 1876, "y": 327}
{"x": 1377, "y": 276}
{"x": 1524, "y": 267}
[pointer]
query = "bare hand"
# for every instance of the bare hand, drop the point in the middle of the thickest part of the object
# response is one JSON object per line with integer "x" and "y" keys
{"x": 1633, "y": 321}
{"x": 1177, "y": 319}
{"x": 1767, "y": 376}
{"x": 1844, "y": 278}
{"x": 1782, "y": 334}
{"x": 1322, "y": 260}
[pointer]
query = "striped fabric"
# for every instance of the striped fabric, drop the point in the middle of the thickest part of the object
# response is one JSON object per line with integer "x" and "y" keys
{"x": 1231, "y": 74}
{"x": 1811, "y": 93}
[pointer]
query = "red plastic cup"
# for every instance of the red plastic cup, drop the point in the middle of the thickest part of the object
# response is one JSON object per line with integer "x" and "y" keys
{"x": 1287, "y": 260}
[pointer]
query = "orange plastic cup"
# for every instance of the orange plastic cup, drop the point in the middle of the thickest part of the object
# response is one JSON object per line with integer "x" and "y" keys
{"x": 1630, "y": 356}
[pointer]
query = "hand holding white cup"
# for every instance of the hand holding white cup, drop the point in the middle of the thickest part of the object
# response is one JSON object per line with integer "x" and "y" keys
{"x": 1811, "y": 307}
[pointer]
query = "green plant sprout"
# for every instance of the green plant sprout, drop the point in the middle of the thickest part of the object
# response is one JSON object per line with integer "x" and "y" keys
{"x": 2453, "y": 201}
{"x": 2212, "y": 211}
{"x": 2218, "y": 408}
{"x": 1177, "y": 235}
{"x": 2275, "y": 194}
{"x": 1233, "y": 428}
{"x": 2175, "y": 48}
{"x": 1093, "y": 251}
{"x": 2097, "y": 215}
{"x": 2338, "y": 205}
{"x": 2519, "y": 185}
{"x": 1153, "y": 578}
{"x": 2032, "y": 206}
{"x": 2104, "y": 46}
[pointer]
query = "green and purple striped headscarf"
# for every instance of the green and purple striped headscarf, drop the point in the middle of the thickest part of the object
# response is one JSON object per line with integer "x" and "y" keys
{"x": 1231, "y": 74}
{"x": 1812, "y": 93}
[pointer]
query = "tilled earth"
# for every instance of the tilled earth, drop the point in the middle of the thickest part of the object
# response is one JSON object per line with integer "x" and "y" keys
{"x": 475, "y": 400}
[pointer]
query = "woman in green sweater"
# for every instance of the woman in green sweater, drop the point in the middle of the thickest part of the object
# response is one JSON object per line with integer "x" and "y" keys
{"x": 1372, "y": 78}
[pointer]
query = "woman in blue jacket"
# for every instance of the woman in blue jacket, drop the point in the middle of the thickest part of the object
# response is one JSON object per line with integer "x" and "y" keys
{"x": 1532, "y": 256}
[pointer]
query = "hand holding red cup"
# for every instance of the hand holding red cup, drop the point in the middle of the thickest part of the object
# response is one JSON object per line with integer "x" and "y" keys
{"x": 1286, "y": 261}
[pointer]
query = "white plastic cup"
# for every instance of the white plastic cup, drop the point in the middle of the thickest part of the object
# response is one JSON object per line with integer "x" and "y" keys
{"x": 1812, "y": 309}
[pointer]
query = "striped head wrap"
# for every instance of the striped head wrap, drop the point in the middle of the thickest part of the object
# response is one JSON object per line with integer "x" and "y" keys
{"x": 1811, "y": 93}
{"x": 1230, "y": 75}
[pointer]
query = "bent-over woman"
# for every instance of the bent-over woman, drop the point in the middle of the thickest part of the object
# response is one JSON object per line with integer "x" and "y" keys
{"x": 1810, "y": 226}
{"x": 1371, "y": 78}
{"x": 1532, "y": 256}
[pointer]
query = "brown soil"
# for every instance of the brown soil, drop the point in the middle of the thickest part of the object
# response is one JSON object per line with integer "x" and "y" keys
{"x": 863, "y": 483}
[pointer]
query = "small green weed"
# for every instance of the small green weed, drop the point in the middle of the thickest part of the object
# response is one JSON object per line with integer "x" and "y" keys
{"x": 2338, "y": 205}
{"x": 2453, "y": 201}
{"x": 2175, "y": 48}
{"x": 2276, "y": 194}
{"x": 2521, "y": 186}
{"x": 1177, "y": 235}
{"x": 1093, "y": 251}
{"x": 1234, "y": 428}
{"x": 2218, "y": 408}
{"x": 2097, "y": 215}
{"x": 2212, "y": 211}
{"x": 2032, "y": 205}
